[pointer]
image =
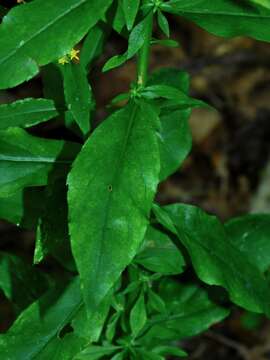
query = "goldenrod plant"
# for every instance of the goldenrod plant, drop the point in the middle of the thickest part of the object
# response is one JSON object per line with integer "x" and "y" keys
{"x": 91, "y": 201}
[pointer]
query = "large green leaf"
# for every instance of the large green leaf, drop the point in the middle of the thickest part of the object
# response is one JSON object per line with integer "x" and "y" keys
{"x": 251, "y": 235}
{"x": 43, "y": 31}
{"x": 20, "y": 282}
{"x": 26, "y": 160}
{"x": 26, "y": 113}
{"x": 189, "y": 311}
{"x": 64, "y": 348}
{"x": 215, "y": 259}
{"x": 78, "y": 94}
{"x": 92, "y": 330}
{"x": 38, "y": 327}
{"x": 226, "y": 18}
{"x": 111, "y": 189}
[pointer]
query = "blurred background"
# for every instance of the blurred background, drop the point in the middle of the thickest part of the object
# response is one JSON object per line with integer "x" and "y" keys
{"x": 228, "y": 171}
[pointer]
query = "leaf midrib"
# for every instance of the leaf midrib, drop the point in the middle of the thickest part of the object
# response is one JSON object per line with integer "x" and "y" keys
{"x": 115, "y": 176}
{"x": 30, "y": 159}
{"x": 21, "y": 113}
{"x": 59, "y": 327}
{"x": 228, "y": 265}
{"x": 44, "y": 28}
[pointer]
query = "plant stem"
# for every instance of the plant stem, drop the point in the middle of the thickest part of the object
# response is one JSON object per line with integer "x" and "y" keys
{"x": 144, "y": 54}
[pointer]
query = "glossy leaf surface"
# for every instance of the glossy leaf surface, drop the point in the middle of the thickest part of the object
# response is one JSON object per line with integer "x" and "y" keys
{"x": 26, "y": 113}
{"x": 43, "y": 38}
{"x": 251, "y": 234}
{"x": 38, "y": 326}
{"x": 113, "y": 182}
{"x": 189, "y": 311}
{"x": 130, "y": 8}
{"x": 78, "y": 93}
{"x": 205, "y": 238}
{"x": 224, "y": 17}
{"x": 26, "y": 160}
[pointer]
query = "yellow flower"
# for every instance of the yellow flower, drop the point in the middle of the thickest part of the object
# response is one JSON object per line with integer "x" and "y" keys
{"x": 63, "y": 60}
{"x": 74, "y": 54}
{"x": 20, "y": 1}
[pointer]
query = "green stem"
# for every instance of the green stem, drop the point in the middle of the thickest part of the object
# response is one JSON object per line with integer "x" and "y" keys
{"x": 144, "y": 54}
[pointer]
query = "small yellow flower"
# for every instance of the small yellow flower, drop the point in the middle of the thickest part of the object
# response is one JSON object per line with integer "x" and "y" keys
{"x": 20, "y": 2}
{"x": 63, "y": 60}
{"x": 74, "y": 54}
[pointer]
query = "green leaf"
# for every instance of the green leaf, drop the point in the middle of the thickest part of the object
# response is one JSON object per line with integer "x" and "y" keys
{"x": 91, "y": 328}
{"x": 111, "y": 327}
{"x": 93, "y": 44}
{"x": 119, "y": 356}
{"x": 53, "y": 88}
{"x": 94, "y": 352}
{"x": 119, "y": 22}
{"x": 176, "y": 97}
{"x": 78, "y": 94}
{"x": 20, "y": 282}
{"x": 265, "y": 3}
{"x": 189, "y": 312}
{"x": 168, "y": 43}
{"x": 250, "y": 234}
{"x": 119, "y": 200}
{"x": 26, "y": 160}
{"x": 40, "y": 324}
{"x": 175, "y": 135}
{"x": 224, "y": 18}
{"x": 138, "y": 316}
{"x": 23, "y": 208}
{"x": 175, "y": 141}
{"x": 63, "y": 348}
{"x": 170, "y": 350}
{"x": 43, "y": 38}
{"x": 53, "y": 237}
{"x": 163, "y": 23}
{"x": 223, "y": 264}
{"x": 135, "y": 42}
{"x": 155, "y": 302}
{"x": 159, "y": 254}
{"x": 147, "y": 355}
{"x": 26, "y": 113}
{"x": 130, "y": 8}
